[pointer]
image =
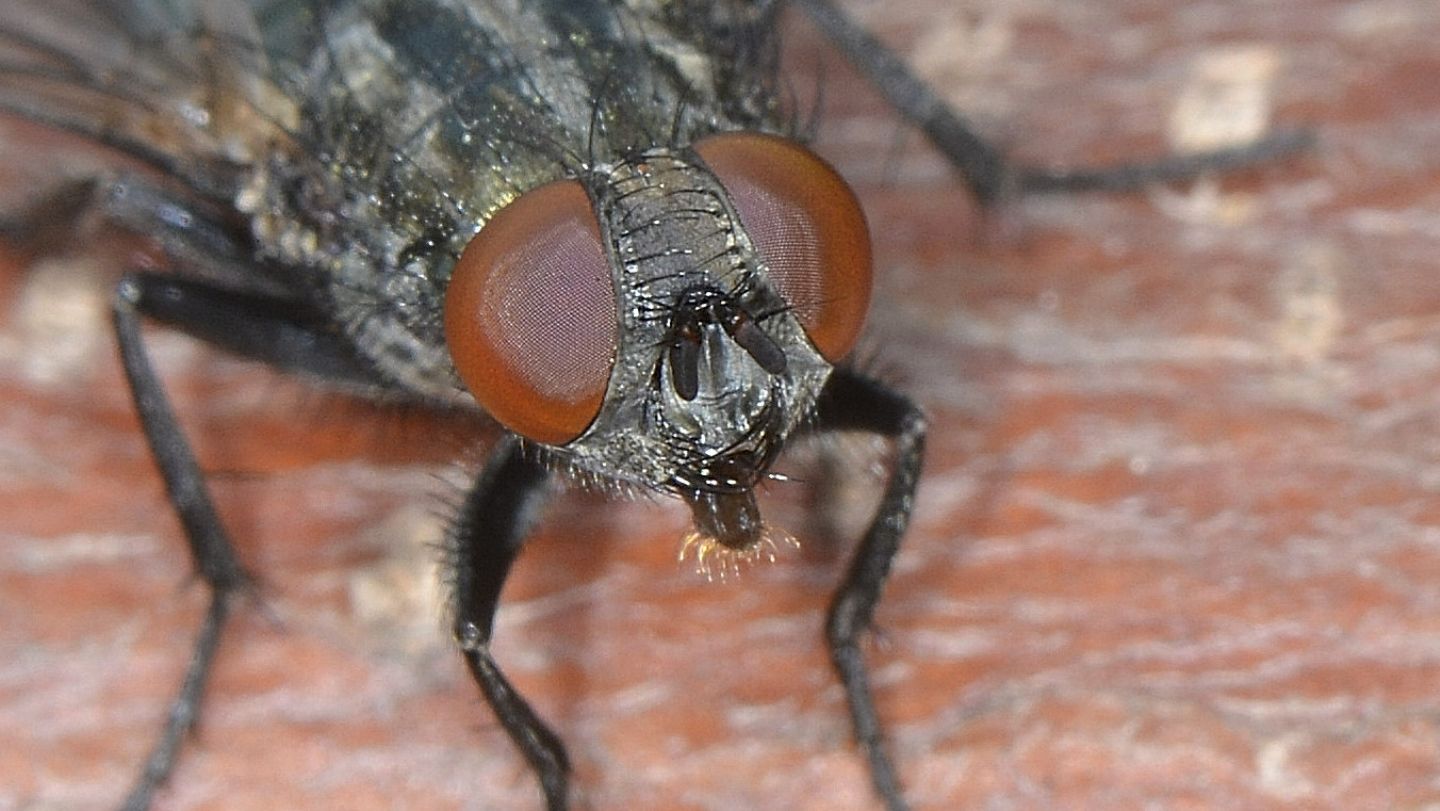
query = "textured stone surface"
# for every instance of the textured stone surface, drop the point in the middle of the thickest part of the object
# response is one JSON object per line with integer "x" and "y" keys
{"x": 1177, "y": 544}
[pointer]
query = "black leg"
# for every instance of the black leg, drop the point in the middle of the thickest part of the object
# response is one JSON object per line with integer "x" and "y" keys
{"x": 1131, "y": 176}
{"x": 853, "y": 402}
{"x": 487, "y": 536}
{"x": 210, "y": 547}
{"x": 249, "y": 325}
{"x": 281, "y": 333}
{"x": 71, "y": 119}
{"x": 243, "y": 314}
{"x": 191, "y": 231}
{"x": 986, "y": 171}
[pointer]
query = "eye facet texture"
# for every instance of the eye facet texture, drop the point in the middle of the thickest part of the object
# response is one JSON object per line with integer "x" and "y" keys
{"x": 808, "y": 227}
{"x": 530, "y": 314}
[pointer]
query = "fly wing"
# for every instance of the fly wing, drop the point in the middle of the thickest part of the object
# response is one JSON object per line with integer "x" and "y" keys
{"x": 180, "y": 85}
{"x": 182, "y": 98}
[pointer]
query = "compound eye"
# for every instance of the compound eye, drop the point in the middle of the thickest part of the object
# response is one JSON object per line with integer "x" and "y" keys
{"x": 807, "y": 226}
{"x": 530, "y": 314}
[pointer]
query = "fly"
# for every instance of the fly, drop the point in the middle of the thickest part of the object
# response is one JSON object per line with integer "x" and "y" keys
{"x": 590, "y": 219}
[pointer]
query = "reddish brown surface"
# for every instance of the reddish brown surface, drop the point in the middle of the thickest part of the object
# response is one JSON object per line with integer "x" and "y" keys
{"x": 1177, "y": 544}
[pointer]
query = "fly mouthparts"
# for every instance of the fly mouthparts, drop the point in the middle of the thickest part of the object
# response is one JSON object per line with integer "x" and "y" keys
{"x": 717, "y": 561}
{"x": 729, "y": 534}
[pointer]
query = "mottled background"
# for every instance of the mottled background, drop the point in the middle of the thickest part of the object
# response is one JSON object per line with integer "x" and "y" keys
{"x": 1176, "y": 547}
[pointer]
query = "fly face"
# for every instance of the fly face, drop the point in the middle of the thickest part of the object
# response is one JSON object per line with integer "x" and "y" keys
{"x": 709, "y": 304}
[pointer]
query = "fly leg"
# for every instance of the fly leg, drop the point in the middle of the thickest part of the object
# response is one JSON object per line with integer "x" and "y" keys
{"x": 191, "y": 235}
{"x": 276, "y": 331}
{"x": 251, "y": 326}
{"x": 484, "y": 542}
{"x": 235, "y": 315}
{"x": 852, "y": 402}
{"x": 986, "y": 171}
{"x": 279, "y": 331}
{"x": 210, "y": 546}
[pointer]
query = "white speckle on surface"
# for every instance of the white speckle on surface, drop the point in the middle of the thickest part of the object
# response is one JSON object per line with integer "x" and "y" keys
{"x": 60, "y": 323}
{"x": 1277, "y": 774}
{"x": 1226, "y": 99}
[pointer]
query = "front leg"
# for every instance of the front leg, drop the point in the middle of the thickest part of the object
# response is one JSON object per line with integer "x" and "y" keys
{"x": 853, "y": 402}
{"x": 280, "y": 332}
{"x": 492, "y": 526}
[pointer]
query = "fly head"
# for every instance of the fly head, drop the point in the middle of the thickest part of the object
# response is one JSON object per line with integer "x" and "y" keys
{"x": 668, "y": 320}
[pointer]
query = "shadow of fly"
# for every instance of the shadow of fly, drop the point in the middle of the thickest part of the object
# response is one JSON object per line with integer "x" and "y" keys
{"x": 590, "y": 219}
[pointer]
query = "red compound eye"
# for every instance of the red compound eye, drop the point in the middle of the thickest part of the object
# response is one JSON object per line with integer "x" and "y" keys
{"x": 808, "y": 227}
{"x": 530, "y": 314}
